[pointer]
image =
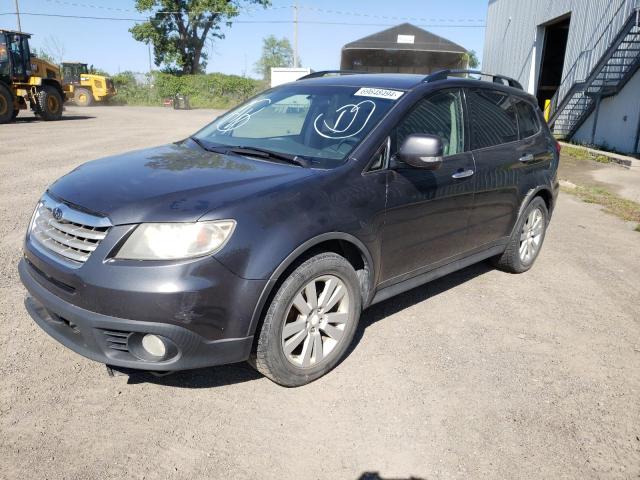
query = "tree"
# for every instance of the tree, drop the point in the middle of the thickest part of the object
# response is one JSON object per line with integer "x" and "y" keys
{"x": 471, "y": 59}
{"x": 179, "y": 29}
{"x": 275, "y": 53}
{"x": 41, "y": 54}
{"x": 54, "y": 49}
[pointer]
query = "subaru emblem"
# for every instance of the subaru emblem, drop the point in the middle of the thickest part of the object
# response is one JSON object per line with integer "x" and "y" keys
{"x": 57, "y": 213}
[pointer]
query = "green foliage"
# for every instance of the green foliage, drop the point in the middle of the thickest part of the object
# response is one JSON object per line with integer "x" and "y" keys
{"x": 43, "y": 55}
{"x": 178, "y": 29}
{"x": 275, "y": 53}
{"x": 97, "y": 71}
{"x": 213, "y": 90}
{"x": 471, "y": 59}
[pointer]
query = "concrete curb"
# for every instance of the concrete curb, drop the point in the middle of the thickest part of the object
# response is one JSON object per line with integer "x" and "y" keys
{"x": 623, "y": 160}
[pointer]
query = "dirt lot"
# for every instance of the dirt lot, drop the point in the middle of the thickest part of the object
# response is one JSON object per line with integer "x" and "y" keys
{"x": 481, "y": 374}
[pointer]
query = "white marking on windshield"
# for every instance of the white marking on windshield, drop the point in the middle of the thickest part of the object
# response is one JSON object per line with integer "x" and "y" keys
{"x": 346, "y": 117}
{"x": 241, "y": 116}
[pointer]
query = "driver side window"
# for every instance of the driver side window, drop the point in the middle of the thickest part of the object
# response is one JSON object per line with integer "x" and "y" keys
{"x": 440, "y": 114}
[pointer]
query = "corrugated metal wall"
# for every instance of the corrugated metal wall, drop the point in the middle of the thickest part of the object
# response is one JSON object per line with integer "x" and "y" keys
{"x": 512, "y": 25}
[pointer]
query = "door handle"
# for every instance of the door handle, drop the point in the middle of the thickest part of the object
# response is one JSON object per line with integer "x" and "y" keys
{"x": 463, "y": 174}
{"x": 527, "y": 158}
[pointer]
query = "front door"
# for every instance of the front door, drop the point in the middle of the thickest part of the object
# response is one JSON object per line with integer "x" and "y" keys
{"x": 428, "y": 210}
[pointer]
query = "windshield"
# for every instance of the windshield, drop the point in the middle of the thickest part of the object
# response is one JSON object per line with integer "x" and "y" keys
{"x": 321, "y": 123}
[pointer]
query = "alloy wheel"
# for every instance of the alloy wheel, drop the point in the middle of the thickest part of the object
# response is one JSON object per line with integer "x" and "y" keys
{"x": 316, "y": 321}
{"x": 531, "y": 235}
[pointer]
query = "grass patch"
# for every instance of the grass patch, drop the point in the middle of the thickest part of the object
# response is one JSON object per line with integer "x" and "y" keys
{"x": 620, "y": 207}
{"x": 582, "y": 154}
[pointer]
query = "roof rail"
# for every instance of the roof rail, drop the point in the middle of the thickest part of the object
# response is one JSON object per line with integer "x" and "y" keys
{"x": 328, "y": 73}
{"x": 502, "y": 79}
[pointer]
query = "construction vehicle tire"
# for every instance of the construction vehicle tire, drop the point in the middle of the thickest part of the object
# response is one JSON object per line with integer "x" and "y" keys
{"x": 49, "y": 103}
{"x": 83, "y": 97}
{"x": 6, "y": 105}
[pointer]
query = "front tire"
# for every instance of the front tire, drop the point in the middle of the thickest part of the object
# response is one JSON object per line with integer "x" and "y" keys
{"x": 49, "y": 103}
{"x": 310, "y": 323}
{"x": 6, "y": 105}
{"x": 527, "y": 238}
{"x": 83, "y": 97}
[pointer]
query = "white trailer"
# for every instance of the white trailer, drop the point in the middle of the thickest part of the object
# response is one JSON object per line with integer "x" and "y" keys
{"x": 280, "y": 75}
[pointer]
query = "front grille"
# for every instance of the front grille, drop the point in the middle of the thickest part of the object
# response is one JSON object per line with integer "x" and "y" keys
{"x": 73, "y": 236}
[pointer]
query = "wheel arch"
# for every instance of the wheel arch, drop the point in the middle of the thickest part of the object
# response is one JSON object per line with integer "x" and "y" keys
{"x": 542, "y": 191}
{"x": 341, "y": 243}
{"x": 56, "y": 85}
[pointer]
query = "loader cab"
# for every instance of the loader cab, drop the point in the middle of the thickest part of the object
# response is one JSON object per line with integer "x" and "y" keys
{"x": 72, "y": 71}
{"x": 15, "y": 57}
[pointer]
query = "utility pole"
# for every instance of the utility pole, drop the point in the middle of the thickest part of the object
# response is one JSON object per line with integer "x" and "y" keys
{"x": 150, "y": 71}
{"x": 150, "y": 63}
{"x": 295, "y": 34}
{"x": 18, "y": 15}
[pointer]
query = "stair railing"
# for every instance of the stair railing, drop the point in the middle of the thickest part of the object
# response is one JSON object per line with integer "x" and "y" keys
{"x": 588, "y": 58}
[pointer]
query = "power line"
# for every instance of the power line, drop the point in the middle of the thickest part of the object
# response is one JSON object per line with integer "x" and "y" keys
{"x": 311, "y": 22}
{"x": 292, "y": 6}
{"x": 387, "y": 17}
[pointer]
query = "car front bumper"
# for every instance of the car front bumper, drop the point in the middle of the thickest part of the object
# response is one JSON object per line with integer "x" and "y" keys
{"x": 115, "y": 341}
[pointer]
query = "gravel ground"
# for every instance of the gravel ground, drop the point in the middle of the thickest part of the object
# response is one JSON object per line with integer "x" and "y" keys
{"x": 481, "y": 374}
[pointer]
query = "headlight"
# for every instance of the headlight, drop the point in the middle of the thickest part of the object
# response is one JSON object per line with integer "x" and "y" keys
{"x": 171, "y": 241}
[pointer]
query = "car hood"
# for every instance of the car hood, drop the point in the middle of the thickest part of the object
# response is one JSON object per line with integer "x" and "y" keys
{"x": 172, "y": 183}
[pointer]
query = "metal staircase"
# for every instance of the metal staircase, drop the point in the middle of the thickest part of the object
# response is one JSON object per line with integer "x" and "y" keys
{"x": 577, "y": 97}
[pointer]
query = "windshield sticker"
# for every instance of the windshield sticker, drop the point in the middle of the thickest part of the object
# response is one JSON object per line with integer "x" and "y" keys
{"x": 241, "y": 116}
{"x": 379, "y": 93}
{"x": 347, "y": 121}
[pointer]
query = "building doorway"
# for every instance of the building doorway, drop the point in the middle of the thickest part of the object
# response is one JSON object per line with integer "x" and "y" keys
{"x": 555, "y": 46}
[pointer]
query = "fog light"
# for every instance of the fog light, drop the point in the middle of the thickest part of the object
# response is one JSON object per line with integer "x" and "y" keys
{"x": 154, "y": 345}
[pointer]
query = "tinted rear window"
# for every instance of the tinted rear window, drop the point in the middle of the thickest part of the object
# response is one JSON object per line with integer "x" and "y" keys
{"x": 527, "y": 119}
{"x": 493, "y": 118}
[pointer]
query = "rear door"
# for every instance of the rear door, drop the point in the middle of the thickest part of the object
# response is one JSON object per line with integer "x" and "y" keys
{"x": 496, "y": 150}
{"x": 535, "y": 149}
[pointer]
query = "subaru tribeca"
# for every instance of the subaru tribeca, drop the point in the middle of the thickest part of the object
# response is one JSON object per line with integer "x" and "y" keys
{"x": 263, "y": 236}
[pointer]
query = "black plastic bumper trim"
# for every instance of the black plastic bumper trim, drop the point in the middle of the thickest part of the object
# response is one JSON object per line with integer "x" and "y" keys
{"x": 86, "y": 335}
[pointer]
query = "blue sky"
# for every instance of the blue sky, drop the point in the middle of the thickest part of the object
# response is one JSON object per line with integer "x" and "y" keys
{"x": 108, "y": 44}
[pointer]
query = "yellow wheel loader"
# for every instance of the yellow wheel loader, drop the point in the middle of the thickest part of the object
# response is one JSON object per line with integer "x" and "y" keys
{"x": 85, "y": 88}
{"x": 26, "y": 79}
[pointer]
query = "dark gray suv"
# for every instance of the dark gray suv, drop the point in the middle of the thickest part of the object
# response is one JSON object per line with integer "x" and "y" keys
{"x": 263, "y": 236}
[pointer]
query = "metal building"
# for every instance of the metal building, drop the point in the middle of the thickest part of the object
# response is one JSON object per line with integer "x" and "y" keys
{"x": 404, "y": 48}
{"x": 580, "y": 58}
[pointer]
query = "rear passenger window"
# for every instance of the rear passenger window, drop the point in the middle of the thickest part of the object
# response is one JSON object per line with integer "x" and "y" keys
{"x": 527, "y": 119}
{"x": 493, "y": 118}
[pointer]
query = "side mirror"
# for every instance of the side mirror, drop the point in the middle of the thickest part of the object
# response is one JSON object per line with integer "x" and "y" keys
{"x": 422, "y": 151}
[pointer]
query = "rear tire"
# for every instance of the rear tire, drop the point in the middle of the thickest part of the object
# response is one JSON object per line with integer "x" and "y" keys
{"x": 83, "y": 97}
{"x": 49, "y": 103}
{"x": 319, "y": 304}
{"x": 6, "y": 105}
{"x": 527, "y": 238}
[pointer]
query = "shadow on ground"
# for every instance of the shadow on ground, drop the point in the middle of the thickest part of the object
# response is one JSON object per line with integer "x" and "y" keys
{"x": 242, "y": 372}
{"x": 32, "y": 119}
{"x": 376, "y": 476}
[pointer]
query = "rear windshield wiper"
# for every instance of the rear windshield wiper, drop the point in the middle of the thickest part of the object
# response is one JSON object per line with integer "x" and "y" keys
{"x": 264, "y": 153}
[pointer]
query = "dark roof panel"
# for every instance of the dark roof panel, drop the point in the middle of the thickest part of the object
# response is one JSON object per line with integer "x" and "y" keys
{"x": 398, "y": 81}
{"x": 405, "y": 37}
